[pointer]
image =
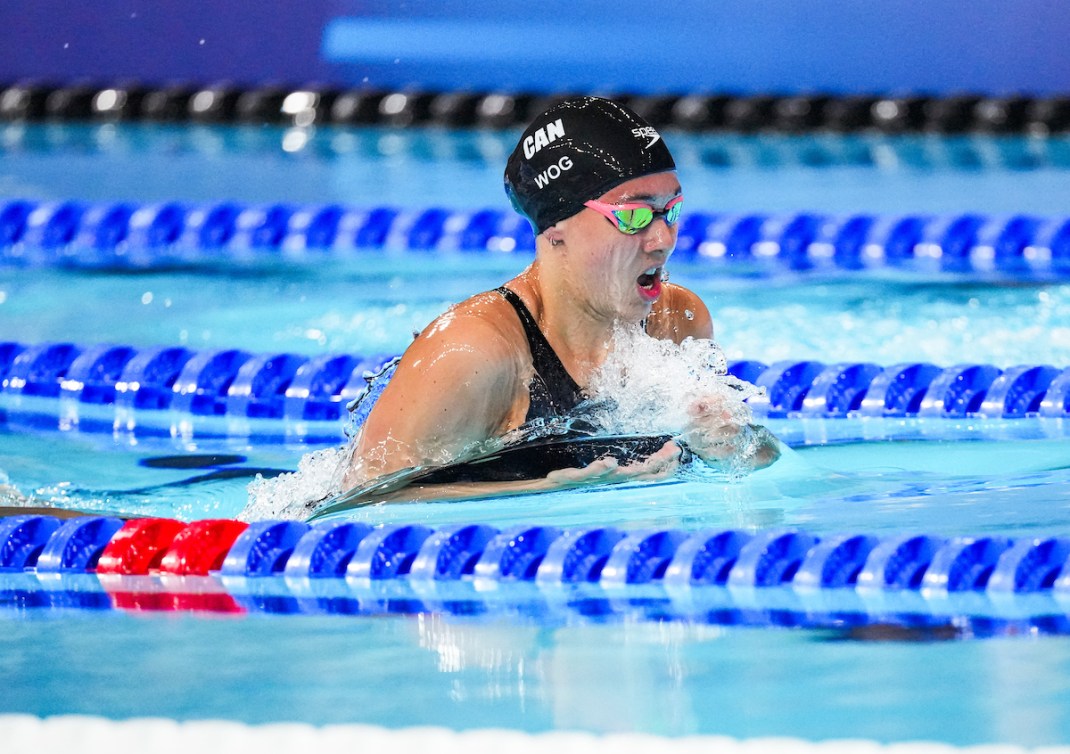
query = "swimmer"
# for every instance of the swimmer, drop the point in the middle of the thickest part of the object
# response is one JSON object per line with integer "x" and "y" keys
{"x": 599, "y": 187}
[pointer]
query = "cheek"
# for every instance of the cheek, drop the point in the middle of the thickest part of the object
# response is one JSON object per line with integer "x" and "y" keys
{"x": 615, "y": 280}
{"x": 605, "y": 263}
{"x": 603, "y": 258}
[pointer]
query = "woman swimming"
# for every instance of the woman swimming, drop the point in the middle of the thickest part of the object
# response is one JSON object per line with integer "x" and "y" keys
{"x": 599, "y": 187}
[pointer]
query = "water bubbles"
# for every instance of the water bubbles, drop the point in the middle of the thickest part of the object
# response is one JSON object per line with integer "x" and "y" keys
{"x": 10, "y": 495}
{"x": 650, "y": 386}
{"x": 291, "y": 496}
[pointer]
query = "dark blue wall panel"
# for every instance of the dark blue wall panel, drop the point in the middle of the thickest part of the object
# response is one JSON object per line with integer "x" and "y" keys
{"x": 744, "y": 46}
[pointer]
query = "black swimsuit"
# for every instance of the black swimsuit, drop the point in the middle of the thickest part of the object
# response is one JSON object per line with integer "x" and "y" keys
{"x": 553, "y": 391}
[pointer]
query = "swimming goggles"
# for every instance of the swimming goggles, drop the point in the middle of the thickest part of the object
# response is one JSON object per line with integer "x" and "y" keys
{"x": 633, "y": 217}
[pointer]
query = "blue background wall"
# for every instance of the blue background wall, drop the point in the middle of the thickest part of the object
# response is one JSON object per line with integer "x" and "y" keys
{"x": 742, "y": 46}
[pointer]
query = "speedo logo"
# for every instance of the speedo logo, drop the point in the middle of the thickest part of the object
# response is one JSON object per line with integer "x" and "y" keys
{"x": 542, "y": 137}
{"x": 542, "y": 180}
{"x": 647, "y": 132}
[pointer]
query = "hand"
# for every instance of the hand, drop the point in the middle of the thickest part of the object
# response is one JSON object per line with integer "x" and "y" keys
{"x": 712, "y": 431}
{"x": 608, "y": 470}
{"x": 715, "y": 434}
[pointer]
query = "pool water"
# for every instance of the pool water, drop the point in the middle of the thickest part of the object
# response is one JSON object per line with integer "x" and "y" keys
{"x": 665, "y": 678}
{"x": 618, "y": 670}
{"x": 373, "y": 305}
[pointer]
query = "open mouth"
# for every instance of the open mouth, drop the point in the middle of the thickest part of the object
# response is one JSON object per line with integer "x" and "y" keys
{"x": 650, "y": 282}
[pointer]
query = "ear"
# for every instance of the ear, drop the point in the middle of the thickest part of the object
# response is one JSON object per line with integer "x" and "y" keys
{"x": 554, "y": 235}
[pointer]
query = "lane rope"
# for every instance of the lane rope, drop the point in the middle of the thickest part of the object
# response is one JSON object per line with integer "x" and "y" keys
{"x": 128, "y": 235}
{"x": 109, "y": 388}
{"x": 983, "y": 586}
{"x": 697, "y": 111}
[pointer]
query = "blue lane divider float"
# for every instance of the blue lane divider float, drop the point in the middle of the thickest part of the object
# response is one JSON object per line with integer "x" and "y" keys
{"x": 388, "y": 553}
{"x": 771, "y": 558}
{"x": 737, "y": 563}
{"x": 1031, "y": 565}
{"x": 451, "y": 552}
{"x": 295, "y": 388}
{"x": 985, "y": 586}
{"x": 326, "y": 549}
{"x": 210, "y": 383}
{"x": 515, "y": 554}
{"x": 578, "y": 556}
{"x": 705, "y": 558}
{"x": 899, "y": 562}
{"x": 641, "y": 558}
{"x": 834, "y": 561}
{"x": 76, "y": 545}
{"x": 79, "y": 234}
{"x": 264, "y": 548}
{"x": 22, "y": 538}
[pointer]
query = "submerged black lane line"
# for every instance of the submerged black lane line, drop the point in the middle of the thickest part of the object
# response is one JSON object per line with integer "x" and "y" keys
{"x": 201, "y": 461}
{"x": 191, "y": 461}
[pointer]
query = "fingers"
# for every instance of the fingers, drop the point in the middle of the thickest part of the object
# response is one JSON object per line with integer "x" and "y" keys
{"x": 593, "y": 472}
{"x": 661, "y": 464}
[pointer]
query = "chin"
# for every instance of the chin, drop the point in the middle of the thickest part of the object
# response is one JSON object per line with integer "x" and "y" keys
{"x": 638, "y": 311}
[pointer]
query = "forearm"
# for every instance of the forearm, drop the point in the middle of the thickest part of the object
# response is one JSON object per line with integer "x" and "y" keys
{"x": 406, "y": 485}
{"x": 415, "y": 492}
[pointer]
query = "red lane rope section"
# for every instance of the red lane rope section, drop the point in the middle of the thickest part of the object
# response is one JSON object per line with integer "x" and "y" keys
{"x": 200, "y": 547}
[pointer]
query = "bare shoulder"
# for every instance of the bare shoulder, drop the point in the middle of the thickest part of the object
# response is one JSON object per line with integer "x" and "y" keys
{"x": 472, "y": 350}
{"x": 483, "y": 323}
{"x": 455, "y": 385}
{"x": 679, "y": 314}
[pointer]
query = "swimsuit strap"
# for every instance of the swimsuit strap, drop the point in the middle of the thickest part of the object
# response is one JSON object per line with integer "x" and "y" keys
{"x": 553, "y": 391}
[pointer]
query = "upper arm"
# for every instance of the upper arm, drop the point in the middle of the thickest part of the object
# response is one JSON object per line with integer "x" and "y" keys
{"x": 453, "y": 387}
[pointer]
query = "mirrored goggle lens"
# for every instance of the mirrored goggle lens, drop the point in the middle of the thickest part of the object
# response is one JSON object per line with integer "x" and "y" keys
{"x": 632, "y": 221}
{"x": 672, "y": 213}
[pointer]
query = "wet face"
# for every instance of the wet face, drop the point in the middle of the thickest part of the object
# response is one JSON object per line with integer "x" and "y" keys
{"x": 616, "y": 274}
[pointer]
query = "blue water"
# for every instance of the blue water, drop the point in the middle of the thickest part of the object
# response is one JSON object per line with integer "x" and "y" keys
{"x": 462, "y": 170}
{"x": 373, "y": 305}
{"x": 669, "y": 679}
{"x": 553, "y": 670}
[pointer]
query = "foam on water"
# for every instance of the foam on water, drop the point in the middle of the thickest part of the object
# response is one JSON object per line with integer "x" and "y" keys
{"x": 651, "y": 386}
{"x": 318, "y": 476}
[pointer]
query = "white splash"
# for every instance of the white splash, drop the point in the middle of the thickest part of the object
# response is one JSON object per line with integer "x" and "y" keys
{"x": 292, "y": 496}
{"x": 10, "y": 495}
{"x": 649, "y": 386}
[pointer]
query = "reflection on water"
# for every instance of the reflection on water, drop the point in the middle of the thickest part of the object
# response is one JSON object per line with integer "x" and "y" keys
{"x": 664, "y": 678}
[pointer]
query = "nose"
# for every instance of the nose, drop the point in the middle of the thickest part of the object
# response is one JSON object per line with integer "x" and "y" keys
{"x": 659, "y": 236}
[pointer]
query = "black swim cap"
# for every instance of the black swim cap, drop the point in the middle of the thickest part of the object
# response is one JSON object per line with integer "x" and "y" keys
{"x": 576, "y": 151}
